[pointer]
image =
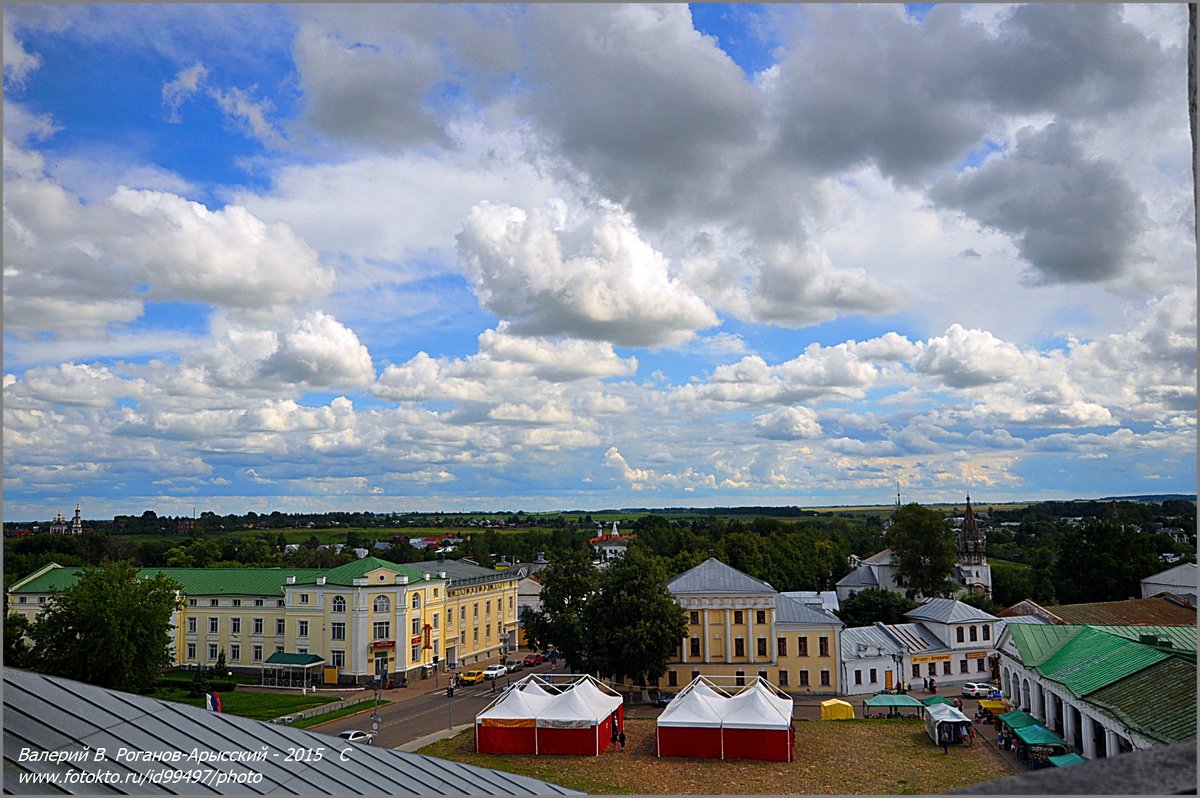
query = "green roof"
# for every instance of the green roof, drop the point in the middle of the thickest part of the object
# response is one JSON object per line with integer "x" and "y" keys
{"x": 53, "y": 577}
{"x": 357, "y": 569}
{"x": 283, "y": 658}
{"x": 1066, "y": 760}
{"x": 936, "y": 699}
{"x": 1037, "y": 734}
{"x": 1037, "y": 641}
{"x": 1181, "y": 638}
{"x": 892, "y": 701}
{"x": 1017, "y": 719}
{"x": 1158, "y": 702}
{"x": 1091, "y": 660}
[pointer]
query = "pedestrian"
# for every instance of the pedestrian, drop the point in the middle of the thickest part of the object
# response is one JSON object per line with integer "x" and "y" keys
{"x": 945, "y": 741}
{"x": 925, "y": 683}
{"x": 933, "y": 686}
{"x": 971, "y": 731}
{"x": 621, "y": 740}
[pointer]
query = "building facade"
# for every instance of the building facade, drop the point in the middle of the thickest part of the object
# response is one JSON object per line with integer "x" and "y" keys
{"x": 741, "y": 628}
{"x": 366, "y": 618}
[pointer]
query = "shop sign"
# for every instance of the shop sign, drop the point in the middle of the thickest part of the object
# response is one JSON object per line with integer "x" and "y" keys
{"x": 931, "y": 658}
{"x": 384, "y": 644}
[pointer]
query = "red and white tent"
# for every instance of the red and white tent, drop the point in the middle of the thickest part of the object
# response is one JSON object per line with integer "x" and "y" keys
{"x": 705, "y": 721}
{"x": 536, "y": 717}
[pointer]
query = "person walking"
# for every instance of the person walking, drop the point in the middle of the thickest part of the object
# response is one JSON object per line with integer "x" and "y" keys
{"x": 621, "y": 740}
{"x": 945, "y": 738}
{"x": 925, "y": 683}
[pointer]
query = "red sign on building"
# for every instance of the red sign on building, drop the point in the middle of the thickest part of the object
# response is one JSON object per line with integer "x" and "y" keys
{"x": 384, "y": 644}
{"x": 428, "y": 629}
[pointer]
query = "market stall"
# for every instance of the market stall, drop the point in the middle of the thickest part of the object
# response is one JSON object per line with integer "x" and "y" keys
{"x": 1037, "y": 744}
{"x": 937, "y": 699}
{"x": 509, "y": 724}
{"x": 530, "y": 717}
{"x": 1066, "y": 760}
{"x": 836, "y": 709}
{"x": 945, "y": 722}
{"x": 990, "y": 708}
{"x": 691, "y": 724}
{"x": 893, "y": 704}
{"x": 755, "y": 725}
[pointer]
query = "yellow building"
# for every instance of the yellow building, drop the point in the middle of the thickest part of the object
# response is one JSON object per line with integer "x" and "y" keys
{"x": 365, "y": 618}
{"x": 741, "y": 627}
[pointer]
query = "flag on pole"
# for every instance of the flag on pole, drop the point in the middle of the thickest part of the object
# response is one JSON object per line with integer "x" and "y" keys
{"x": 213, "y": 701}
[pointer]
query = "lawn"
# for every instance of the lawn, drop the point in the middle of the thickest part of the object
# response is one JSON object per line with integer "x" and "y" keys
{"x": 881, "y": 757}
{"x": 260, "y": 706}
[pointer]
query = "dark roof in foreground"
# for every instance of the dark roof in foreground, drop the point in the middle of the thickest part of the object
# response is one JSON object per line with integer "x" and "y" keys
{"x": 47, "y": 719}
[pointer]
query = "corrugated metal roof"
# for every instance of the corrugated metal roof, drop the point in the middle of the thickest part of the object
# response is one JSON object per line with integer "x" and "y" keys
{"x": 862, "y": 576}
{"x": 790, "y": 611}
{"x": 1151, "y": 611}
{"x": 44, "y": 714}
{"x": 1091, "y": 660}
{"x": 464, "y": 572}
{"x": 872, "y": 638}
{"x": 1158, "y": 701}
{"x": 884, "y": 557}
{"x": 915, "y": 638}
{"x": 1036, "y": 642}
{"x": 195, "y": 581}
{"x": 714, "y": 576}
{"x": 356, "y": 569}
{"x": 1182, "y": 638}
{"x": 944, "y": 610}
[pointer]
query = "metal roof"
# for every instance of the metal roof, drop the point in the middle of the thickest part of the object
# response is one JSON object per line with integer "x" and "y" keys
{"x": 862, "y": 576}
{"x": 790, "y": 611}
{"x": 289, "y": 658}
{"x": 944, "y": 610}
{"x": 194, "y": 581}
{"x": 915, "y": 638}
{"x": 1091, "y": 660}
{"x": 872, "y": 638}
{"x": 885, "y": 557}
{"x": 462, "y": 573}
{"x": 356, "y": 569}
{"x": 1181, "y": 638}
{"x": 49, "y": 719}
{"x": 714, "y": 576}
{"x": 1158, "y": 701}
{"x": 1159, "y": 611}
{"x": 1036, "y": 642}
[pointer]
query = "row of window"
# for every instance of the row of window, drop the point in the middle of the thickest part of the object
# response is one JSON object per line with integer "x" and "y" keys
{"x": 237, "y": 602}
{"x": 782, "y": 674}
{"x": 987, "y": 633}
{"x": 739, "y": 617}
{"x": 781, "y": 646}
{"x": 964, "y": 666}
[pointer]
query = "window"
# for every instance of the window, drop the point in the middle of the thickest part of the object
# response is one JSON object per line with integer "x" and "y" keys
{"x": 256, "y": 652}
{"x": 962, "y": 666}
{"x": 214, "y": 602}
{"x": 981, "y": 663}
{"x": 987, "y": 632}
{"x": 694, "y": 647}
{"x": 916, "y": 671}
{"x": 804, "y": 677}
{"x": 739, "y": 647}
{"x": 279, "y": 603}
{"x": 740, "y": 678}
{"x": 931, "y": 669}
{"x": 760, "y": 616}
{"x": 857, "y": 676}
{"x": 258, "y": 602}
{"x": 802, "y": 645}
{"x": 301, "y": 628}
{"x": 212, "y": 650}
{"x": 874, "y": 676}
{"x": 278, "y": 649}
{"x": 762, "y": 646}
{"x": 191, "y": 626}
{"x": 235, "y": 652}
{"x": 383, "y": 630}
{"x": 946, "y": 668}
{"x": 475, "y": 610}
{"x": 672, "y": 679}
{"x": 416, "y": 626}
{"x": 824, "y": 678}
{"x": 416, "y": 654}
{"x": 191, "y": 602}
{"x": 382, "y": 604}
{"x": 510, "y": 602}
{"x": 191, "y": 650}
{"x": 235, "y": 626}
{"x": 258, "y": 626}
{"x": 237, "y": 602}
{"x": 462, "y": 613}
{"x": 959, "y": 633}
{"x": 301, "y": 649}
{"x": 21, "y": 599}
{"x": 279, "y": 626}
{"x": 416, "y": 601}
{"x": 762, "y": 675}
{"x": 339, "y": 605}
{"x": 737, "y": 616}
{"x": 693, "y": 618}
{"x": 337, "y": 658}
{"x": 435, "y": 621}
{"x": 487, "y": 607}
{"x": 213, "y": 625}
{"x": 783, "y": 678}
{"x": 781, "y": 646}
{"x": 41, "y": 599}
{"x": 337, "y": 631}
{"x": 974, "y": 634}
{"x": 303, "y": 598}
{"x": 824, "y": 646}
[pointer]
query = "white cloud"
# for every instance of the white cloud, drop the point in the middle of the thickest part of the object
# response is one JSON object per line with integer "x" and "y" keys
{"x": 18, "y": 62}
{"x": 182, "y": 88}
{"x": 790, "y": 423}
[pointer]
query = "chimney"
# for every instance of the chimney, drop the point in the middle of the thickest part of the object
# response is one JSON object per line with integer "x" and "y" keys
{"x": 291, "y": 580}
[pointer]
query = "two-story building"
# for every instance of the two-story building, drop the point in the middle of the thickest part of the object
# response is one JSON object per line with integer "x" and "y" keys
{"x": 366, "y": 618}
{"x": 741, "y": 627}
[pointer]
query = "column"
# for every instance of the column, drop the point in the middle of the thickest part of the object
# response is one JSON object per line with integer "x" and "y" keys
{"x": 1089, "y": 737}
{"x": 1068, "y": 723}
{"x": 1038, "y": 698}
{"x": 707, "y": 632}
{"x": 772, "y": 641}
{"x": 1111, "y": 745}
{"x": 751, "y": 643}
{"x": 1051, "y": 708}
{"x": 728, "y": 635}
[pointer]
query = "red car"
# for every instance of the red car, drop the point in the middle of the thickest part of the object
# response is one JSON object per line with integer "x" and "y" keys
{"x": 532, "y": 659}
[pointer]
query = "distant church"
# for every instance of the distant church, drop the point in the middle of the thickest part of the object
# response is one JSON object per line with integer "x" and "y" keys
{"x": 59, "y": 525}
{"x": 971, "y": 573}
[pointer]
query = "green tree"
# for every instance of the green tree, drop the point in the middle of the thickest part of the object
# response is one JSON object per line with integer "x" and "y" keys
{"x": 110, "y": 628}
{"x": 875, "y": 605}
{"x": 17, "y": 653}
{"x": 634, "y": 622}
{"x": 982, "y": 602}
{"x": 923, "y": 543}
{"x": 1103, "y": 562}
{"x": 568, "y": 583}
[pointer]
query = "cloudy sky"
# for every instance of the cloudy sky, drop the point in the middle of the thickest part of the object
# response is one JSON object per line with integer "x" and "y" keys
{"x": 583, "y": 256}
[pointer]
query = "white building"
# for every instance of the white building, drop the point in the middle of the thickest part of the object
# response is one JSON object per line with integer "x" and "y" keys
{"x": 1180, "y": 580}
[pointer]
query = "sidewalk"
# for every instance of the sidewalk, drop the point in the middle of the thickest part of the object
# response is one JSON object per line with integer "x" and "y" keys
{"x": 414, "y": 745}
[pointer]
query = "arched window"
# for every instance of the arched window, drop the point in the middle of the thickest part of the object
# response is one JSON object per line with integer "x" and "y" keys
{"x": 382, "y": 604}
{"x": 416, "y": 601}
{"x": 339, "y": 604}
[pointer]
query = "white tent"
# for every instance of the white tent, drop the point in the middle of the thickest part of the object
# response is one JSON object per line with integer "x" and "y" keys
{"x": 754, "y": 723}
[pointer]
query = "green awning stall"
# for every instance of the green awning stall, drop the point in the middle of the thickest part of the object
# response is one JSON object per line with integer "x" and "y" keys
{"x": 1037, "y": 734}
{"x": 1017, "y": 719}
{"x": 936, "y": 699}
{"x": 284, "y": 667}
{"x": 1066, "y": 760}
{"x": 893, "y": 703}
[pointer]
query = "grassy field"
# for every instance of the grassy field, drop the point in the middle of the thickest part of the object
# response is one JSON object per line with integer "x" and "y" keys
{"x": 344, "y": 712}
{"x": 880, "y": 757}
{"x": 260, "y": 706}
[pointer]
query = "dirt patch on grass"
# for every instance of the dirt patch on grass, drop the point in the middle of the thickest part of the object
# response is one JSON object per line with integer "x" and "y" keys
{"x": 855, "y": 757}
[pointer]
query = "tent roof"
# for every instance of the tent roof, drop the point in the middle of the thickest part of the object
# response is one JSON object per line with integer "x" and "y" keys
{"x": 1066, "y": 760}
{"x": 1017, "y": 719}
{"x": 571, "y": 705}
{"x": 935, "y": 699}
{"x": 945, "y": 712}
{"x": 835, "y": 702}
{"x": 516, "y": 704}
{"x": 755, "y": 709}
{"x": 892, "y": 701}
{"x": 693, "y": 709}
{"x": 287, "y": 658}
{"x": 1037, "y": 734}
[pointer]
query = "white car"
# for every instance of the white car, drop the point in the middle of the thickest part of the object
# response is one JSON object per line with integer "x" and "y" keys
{"x": 977, "y": 690}
{"x": 355, "y": 736}
{"x": 494, "y": 671}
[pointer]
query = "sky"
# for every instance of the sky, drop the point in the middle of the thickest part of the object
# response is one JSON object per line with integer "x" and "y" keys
{"x": 401, "y": 258}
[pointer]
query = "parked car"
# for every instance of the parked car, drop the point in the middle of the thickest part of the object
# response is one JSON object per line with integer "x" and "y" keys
{"x": 471, "y": 677}
{"x": 533, "y": 659}
{"x": 513, "y": 665}
{"x": 494, "y": 671}
{"x": 356, "y": 736}
{"x": 664, "y": 699}
{"x": 977, "y": 690}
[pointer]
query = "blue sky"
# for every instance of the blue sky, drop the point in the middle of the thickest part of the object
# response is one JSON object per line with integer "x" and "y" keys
{"x": 311, "y": 257}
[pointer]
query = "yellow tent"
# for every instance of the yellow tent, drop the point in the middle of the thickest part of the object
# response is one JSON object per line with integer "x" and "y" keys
{"x": 836, "y": 709}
